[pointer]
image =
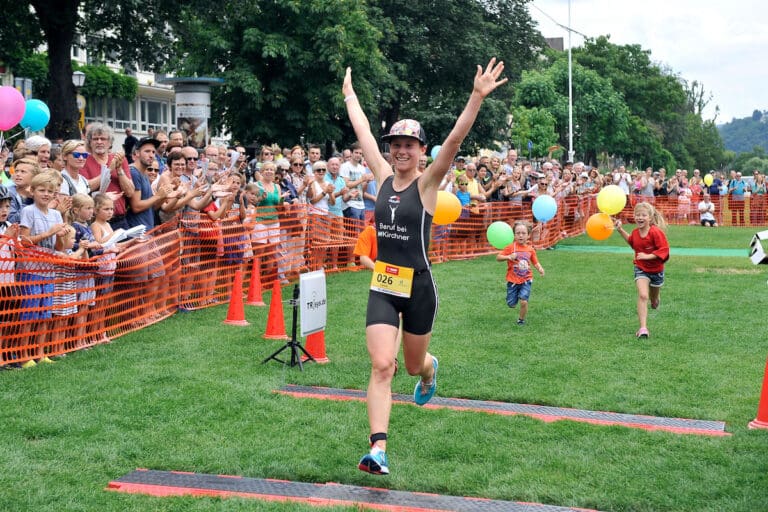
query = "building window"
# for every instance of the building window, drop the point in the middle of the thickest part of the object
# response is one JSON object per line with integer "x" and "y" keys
{"x": 124, "y": 114}
{"x": 154, "y": 114}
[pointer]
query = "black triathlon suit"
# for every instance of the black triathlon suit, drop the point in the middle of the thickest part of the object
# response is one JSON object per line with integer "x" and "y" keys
{"x": 403, "y": 232}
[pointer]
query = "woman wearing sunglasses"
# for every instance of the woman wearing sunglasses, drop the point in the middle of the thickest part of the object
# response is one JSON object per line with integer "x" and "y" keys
{"x": 74, "y": 154}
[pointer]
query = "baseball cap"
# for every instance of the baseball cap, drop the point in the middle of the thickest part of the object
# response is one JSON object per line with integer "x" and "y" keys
{"x": 406, "y": 128}
{"x": 148, "y": 140}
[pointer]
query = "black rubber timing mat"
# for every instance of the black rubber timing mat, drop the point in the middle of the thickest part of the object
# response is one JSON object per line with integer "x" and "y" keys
{"x": 177, "y": 483}
{"x": 542, "y": 412}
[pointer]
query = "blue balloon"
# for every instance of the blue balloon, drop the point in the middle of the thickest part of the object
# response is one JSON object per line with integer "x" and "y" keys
{"x": 435, "y": 151}
{"x": 544, "y": 208}
{"x": 36, "y": 116}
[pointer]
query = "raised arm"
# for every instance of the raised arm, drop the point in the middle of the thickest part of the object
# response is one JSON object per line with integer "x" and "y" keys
{"x": 380, "y": 167}
{"x": 486, "y": 81}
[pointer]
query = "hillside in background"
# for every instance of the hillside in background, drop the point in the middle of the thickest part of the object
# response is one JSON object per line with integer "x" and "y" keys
{"x": 742, "y": 135}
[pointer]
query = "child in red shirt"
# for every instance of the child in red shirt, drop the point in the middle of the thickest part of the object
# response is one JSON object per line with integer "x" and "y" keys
{"x": 519, "y": 257}
{"x": 651, "y": 252}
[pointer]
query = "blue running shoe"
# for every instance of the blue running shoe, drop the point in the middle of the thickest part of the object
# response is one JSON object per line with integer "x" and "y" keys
{"x": 374, "y": 462}
{"x": 422, "y": 398}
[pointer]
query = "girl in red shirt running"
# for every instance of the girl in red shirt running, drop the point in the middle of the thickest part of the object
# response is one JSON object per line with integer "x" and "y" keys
{"x": 651, "y": 252}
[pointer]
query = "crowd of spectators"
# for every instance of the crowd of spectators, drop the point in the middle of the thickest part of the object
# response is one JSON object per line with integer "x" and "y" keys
{"x": 273, "y": 206}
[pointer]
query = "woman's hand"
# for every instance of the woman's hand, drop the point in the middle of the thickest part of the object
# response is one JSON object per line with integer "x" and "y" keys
{"x": 347, "y": 88}
{"x": 485, "y": 81}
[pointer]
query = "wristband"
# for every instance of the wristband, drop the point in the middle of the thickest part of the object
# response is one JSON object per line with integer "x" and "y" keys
{"x": 350, "y": 97}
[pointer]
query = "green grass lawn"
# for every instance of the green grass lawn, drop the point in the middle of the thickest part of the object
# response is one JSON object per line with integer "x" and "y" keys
{"x": 191, "y": 394}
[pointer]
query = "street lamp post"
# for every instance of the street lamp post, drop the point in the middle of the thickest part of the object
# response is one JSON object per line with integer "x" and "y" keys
{"x": 78, "y": 79}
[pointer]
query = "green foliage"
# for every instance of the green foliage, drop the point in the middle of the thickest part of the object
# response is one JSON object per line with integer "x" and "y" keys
{"x": 741, "y": 135}
{"x": 535, "y": 124}
{"x": 35, "y": 67}
{"x": 432, "y": 51}
{"x": 282, "y": 63}
{"x": 20, "y": 34}
{"x": 749, "y": 161}
{"x": 102, "y": 82}
{"x": 625, "y": 107}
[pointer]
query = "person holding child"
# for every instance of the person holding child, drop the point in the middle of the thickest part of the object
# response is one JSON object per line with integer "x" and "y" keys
{"x": 404, "y": 209}
{"x": 651, "y": 252}
{"x": 520, "y": 257}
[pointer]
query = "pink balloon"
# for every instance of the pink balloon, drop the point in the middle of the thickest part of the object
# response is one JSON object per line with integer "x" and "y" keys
{"x": 12, "y": 107}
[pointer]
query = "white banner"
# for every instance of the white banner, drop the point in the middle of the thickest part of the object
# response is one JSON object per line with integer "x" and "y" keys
{"x": 313, "y": 302}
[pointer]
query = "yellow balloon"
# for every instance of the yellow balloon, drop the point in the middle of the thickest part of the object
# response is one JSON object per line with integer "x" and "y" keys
{"x": 611, "y": 200}
{"x": 708, "y": 179}
{"x": 447, "y": 209}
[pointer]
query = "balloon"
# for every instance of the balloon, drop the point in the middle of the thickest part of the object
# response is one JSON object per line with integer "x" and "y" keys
{"x": 611, "y": 200}
{"x": 447, "y": 209}
{"x": 37, "y": 115}
{"x": 708, "y": 179}
{"x": 500, "y": 234}
{"x": 599, "y": 226}
{"x": 12, "y": 107}
{"x": 435, "y": 151}
{"x": 544, "y": 208}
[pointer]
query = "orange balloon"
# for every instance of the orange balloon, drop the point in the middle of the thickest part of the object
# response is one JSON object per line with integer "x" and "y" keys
{"x": 599, "y": 226}
{"x": 447, "y": 209}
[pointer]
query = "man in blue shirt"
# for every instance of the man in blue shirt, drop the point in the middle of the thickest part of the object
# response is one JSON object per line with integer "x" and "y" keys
{"x": 144, "y": 202}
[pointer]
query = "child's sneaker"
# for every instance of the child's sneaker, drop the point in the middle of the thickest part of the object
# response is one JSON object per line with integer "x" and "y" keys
{"x": 642, "y": 333}
{"x": 29, "y": 364}
{"x": 520, "y": 321}
{"x": 655, "y": 304}
{"x": 374, "y": 462}
{"x": 422, "y": 398}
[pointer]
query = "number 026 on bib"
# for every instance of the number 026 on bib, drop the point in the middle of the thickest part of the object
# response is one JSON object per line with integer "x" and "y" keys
{"x": 392, "y": 279}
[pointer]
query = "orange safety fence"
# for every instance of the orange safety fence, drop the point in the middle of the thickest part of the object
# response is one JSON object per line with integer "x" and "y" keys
{"x": 51, "y": 304}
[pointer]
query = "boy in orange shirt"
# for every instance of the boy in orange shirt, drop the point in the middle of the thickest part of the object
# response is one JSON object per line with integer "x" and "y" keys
{"x": 365, "y": 248}
{"x": 519, "y": 257}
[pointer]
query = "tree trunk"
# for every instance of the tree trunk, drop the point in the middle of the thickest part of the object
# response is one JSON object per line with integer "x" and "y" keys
{"x": 58, "y": 19}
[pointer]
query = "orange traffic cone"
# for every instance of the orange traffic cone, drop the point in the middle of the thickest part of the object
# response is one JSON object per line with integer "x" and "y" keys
{"x": 316, "y": 347}
{"x": 254, "y": 287}
{"x": 236, "y": 312}
{"x": 275, "y": 320}
{"x": 762, "y": 409}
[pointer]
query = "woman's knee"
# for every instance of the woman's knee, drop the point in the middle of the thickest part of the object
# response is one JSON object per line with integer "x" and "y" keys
{"x": 383, "y": 370}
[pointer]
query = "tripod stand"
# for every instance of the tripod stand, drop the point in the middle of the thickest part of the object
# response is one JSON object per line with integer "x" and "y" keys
{"x": 293, "y": 345}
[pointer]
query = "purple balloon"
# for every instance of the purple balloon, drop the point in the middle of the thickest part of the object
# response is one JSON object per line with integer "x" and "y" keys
{"x": 12, "y": 107}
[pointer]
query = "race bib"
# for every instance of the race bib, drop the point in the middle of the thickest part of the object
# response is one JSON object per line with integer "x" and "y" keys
{"x": 391, "y": 279}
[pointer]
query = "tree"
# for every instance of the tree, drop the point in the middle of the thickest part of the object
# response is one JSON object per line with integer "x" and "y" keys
{"x": 432, "y": 51}
{"x": 119, "y": 30}
{"x": 282, "y": 64}
{"x": 601, "y": 119}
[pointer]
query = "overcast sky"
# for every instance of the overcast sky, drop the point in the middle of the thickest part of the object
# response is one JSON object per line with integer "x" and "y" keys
{"x": 720, "y": 44}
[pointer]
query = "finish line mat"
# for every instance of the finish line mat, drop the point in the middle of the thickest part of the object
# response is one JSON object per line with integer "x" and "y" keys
{"x": 541, "y": 412}
{"x": 176, "y": 483}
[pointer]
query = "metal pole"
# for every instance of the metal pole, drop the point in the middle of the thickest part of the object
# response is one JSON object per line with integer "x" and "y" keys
{"x": 570, "y": 89}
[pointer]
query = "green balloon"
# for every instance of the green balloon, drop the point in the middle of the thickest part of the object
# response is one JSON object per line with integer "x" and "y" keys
{"x": 500, "y": 234}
